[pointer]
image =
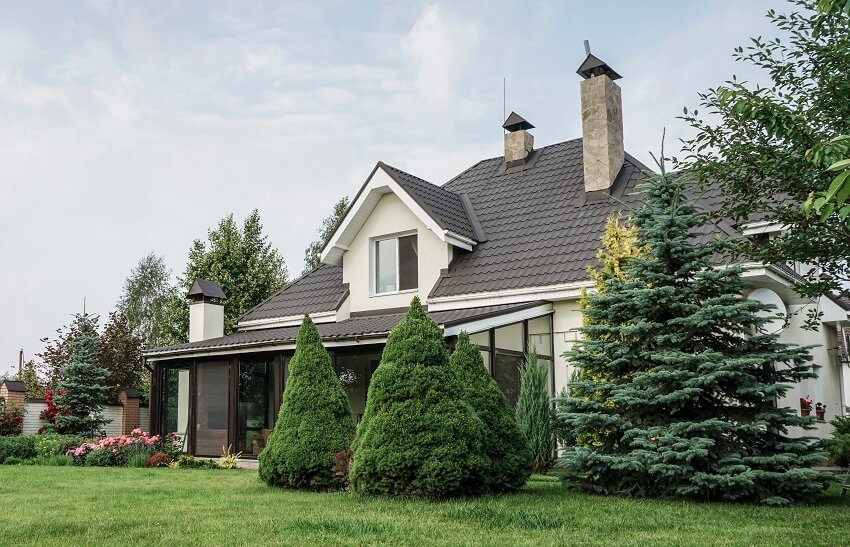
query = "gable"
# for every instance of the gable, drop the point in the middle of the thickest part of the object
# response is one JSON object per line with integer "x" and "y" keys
{"x": 442, "y": 212}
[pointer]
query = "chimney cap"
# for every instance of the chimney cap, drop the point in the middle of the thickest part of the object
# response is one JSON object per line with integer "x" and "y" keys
{"x": 515, "y": 122}
{"x": 593, "y": 66}
{"x": 203, "y": 289}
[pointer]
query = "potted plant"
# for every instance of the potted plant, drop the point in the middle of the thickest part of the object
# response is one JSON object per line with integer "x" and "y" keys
{"x": 805, "y": 406}
{"x": 820, "y": 410}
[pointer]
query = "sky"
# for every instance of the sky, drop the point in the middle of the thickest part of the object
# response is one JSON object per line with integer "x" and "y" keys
{"x": 131, "y": 127}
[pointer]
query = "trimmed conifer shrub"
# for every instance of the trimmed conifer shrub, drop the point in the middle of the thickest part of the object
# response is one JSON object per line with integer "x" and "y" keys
{"x": 534, "y": 411}
{"x": 314, "y": 421}
{"x": 418, "y": 436}
{"x": 504, "y": 443}
{"x": 684, "y": 376}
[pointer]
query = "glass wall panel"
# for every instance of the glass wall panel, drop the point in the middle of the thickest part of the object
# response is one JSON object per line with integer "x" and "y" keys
{"x": 355, "y": 371}
{"x": 509, "y": 337}
{"x": 211, "y": 408}
{"x": 540, "y": 335}
{"x": 385, "y": 266}
{"x": 174, "y": 417}
{"x": 506, "y": 374}
{"x": 256, "y": 416}
{"x": 481, "y": 338}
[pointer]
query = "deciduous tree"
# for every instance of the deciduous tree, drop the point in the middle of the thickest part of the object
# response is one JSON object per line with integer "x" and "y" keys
{"x": 240, "y": 260}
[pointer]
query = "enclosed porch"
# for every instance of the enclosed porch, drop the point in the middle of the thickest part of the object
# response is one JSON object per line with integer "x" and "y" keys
{"x": 226, "y": 392}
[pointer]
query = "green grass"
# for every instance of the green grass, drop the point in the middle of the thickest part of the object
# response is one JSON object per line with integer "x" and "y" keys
{"x": 72, "y": 505}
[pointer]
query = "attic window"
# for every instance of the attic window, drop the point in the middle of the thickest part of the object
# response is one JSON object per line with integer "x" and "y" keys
{"x": 396, "y": 264}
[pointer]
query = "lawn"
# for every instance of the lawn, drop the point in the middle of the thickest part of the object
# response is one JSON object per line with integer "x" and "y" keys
{"x": 71, "y": 505}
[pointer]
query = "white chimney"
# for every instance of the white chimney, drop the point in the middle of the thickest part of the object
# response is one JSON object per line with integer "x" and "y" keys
{"x": 519, "y": 143}
{"x": 602, "y": 124}
{"x": 206, "y": 310}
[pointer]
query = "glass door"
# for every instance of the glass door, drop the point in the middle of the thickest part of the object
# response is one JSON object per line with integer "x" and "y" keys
{"x": 174, "y": 418}
{"x": 211, "y": 407}
{"x": 255, "y": 418}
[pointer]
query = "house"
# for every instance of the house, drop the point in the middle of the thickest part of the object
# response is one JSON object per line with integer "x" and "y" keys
{"x": 501, "y": 251}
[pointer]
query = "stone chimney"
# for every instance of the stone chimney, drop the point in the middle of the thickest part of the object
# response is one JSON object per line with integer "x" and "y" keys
{"x": 602, "y": 123}
{"x": 519, "y": 143}
{"x": 206, "y": 311}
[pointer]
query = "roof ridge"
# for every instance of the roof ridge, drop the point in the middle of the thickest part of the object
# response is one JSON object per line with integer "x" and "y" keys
{"x": 479, "y": 162}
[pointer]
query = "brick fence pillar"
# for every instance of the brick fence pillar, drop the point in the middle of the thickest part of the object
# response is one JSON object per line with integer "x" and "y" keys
{"x": 14, "y": 393}
{"x": 129, "y": 399}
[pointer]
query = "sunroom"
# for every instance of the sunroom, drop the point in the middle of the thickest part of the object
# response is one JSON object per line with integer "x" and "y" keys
{"x": 225, "y": 391}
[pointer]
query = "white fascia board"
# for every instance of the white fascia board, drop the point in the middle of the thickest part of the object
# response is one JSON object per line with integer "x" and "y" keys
{"x": 381, "y": 183}
{"x": 499, "y": 320}
{"x": 233, "y": 350}
{"x": 762, "y": 227}
{"x": 457, "y": 240}
{"x": 288, "y": 321}
{"x": 566, "y": 291}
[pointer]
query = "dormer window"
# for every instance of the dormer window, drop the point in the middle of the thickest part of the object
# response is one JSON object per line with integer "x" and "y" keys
{"x": 396, "y": 264}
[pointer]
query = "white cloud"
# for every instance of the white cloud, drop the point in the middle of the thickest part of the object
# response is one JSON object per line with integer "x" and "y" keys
{"x": 440, "y": 48}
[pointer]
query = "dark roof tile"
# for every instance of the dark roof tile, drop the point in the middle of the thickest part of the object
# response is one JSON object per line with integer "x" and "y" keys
{"x": 316, "y": 291}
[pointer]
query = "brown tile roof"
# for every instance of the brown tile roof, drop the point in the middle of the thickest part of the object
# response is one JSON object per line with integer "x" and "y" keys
{"x": 363, "y": 327}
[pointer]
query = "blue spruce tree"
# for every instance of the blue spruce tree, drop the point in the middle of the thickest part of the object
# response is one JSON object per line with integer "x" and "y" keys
{"x": 82, "y": 391}
{"x": 683, "y": 375}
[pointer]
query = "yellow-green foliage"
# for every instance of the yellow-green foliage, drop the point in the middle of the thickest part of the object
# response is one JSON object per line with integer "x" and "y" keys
{"x": 619, "y": 245}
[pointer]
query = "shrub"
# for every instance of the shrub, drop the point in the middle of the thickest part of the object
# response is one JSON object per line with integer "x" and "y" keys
{"x": 839, "y": 448}
{"x": 534, "y": 411}
{"x": 418, "y": 436}
{"x": 184, "y": 461}
{"x": 504, "y": 443}
{"x": 19, "y": 446}
{"x": 229, "y": 459}
{"x": 158, "y": 459}
{"x": 11, "y": 420}
{"x": 51, "y": 444}
{"x": 139, "y": 459}
{"x": 54, "y": 460}
{"x": 314, "y": 421}
{"x": 14, "y": 460}
{"x": 102, "y": 457}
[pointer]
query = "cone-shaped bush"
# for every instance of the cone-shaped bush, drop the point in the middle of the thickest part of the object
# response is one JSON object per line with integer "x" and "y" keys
{"x": 534, "y": 411}
{"x": 418, "y": 436}
{"x": 314, "y": 421}
{"x": 504, "y": 443}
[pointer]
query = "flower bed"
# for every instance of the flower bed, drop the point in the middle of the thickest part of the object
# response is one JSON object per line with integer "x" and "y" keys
{"x": 134, "y": 450}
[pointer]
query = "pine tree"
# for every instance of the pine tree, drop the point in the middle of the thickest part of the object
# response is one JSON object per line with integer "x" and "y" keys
{"x": 534, "y": 411}
{"x": 418, "y": 436}
{"x": 82, "y": 391}
{"x": 619, "y": 246}
{"x": 685, "y": 376}
{"x": 504, "y": 442}
{"x": 314, "y": 422}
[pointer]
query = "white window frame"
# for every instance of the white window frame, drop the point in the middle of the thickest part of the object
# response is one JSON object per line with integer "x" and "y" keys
{"x": 373, "y": 264}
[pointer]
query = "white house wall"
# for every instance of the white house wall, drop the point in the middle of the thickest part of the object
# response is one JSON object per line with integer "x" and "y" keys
{"x": 391, "y": 216}
{"x": 826, "y": 388}
{"x": 566, "y": 319}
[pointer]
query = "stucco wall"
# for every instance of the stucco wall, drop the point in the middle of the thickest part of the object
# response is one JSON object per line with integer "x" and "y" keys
{"x": 826, "y": 388}
{"x": 389, "y": 217}
{"x": 566, "y": 319}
